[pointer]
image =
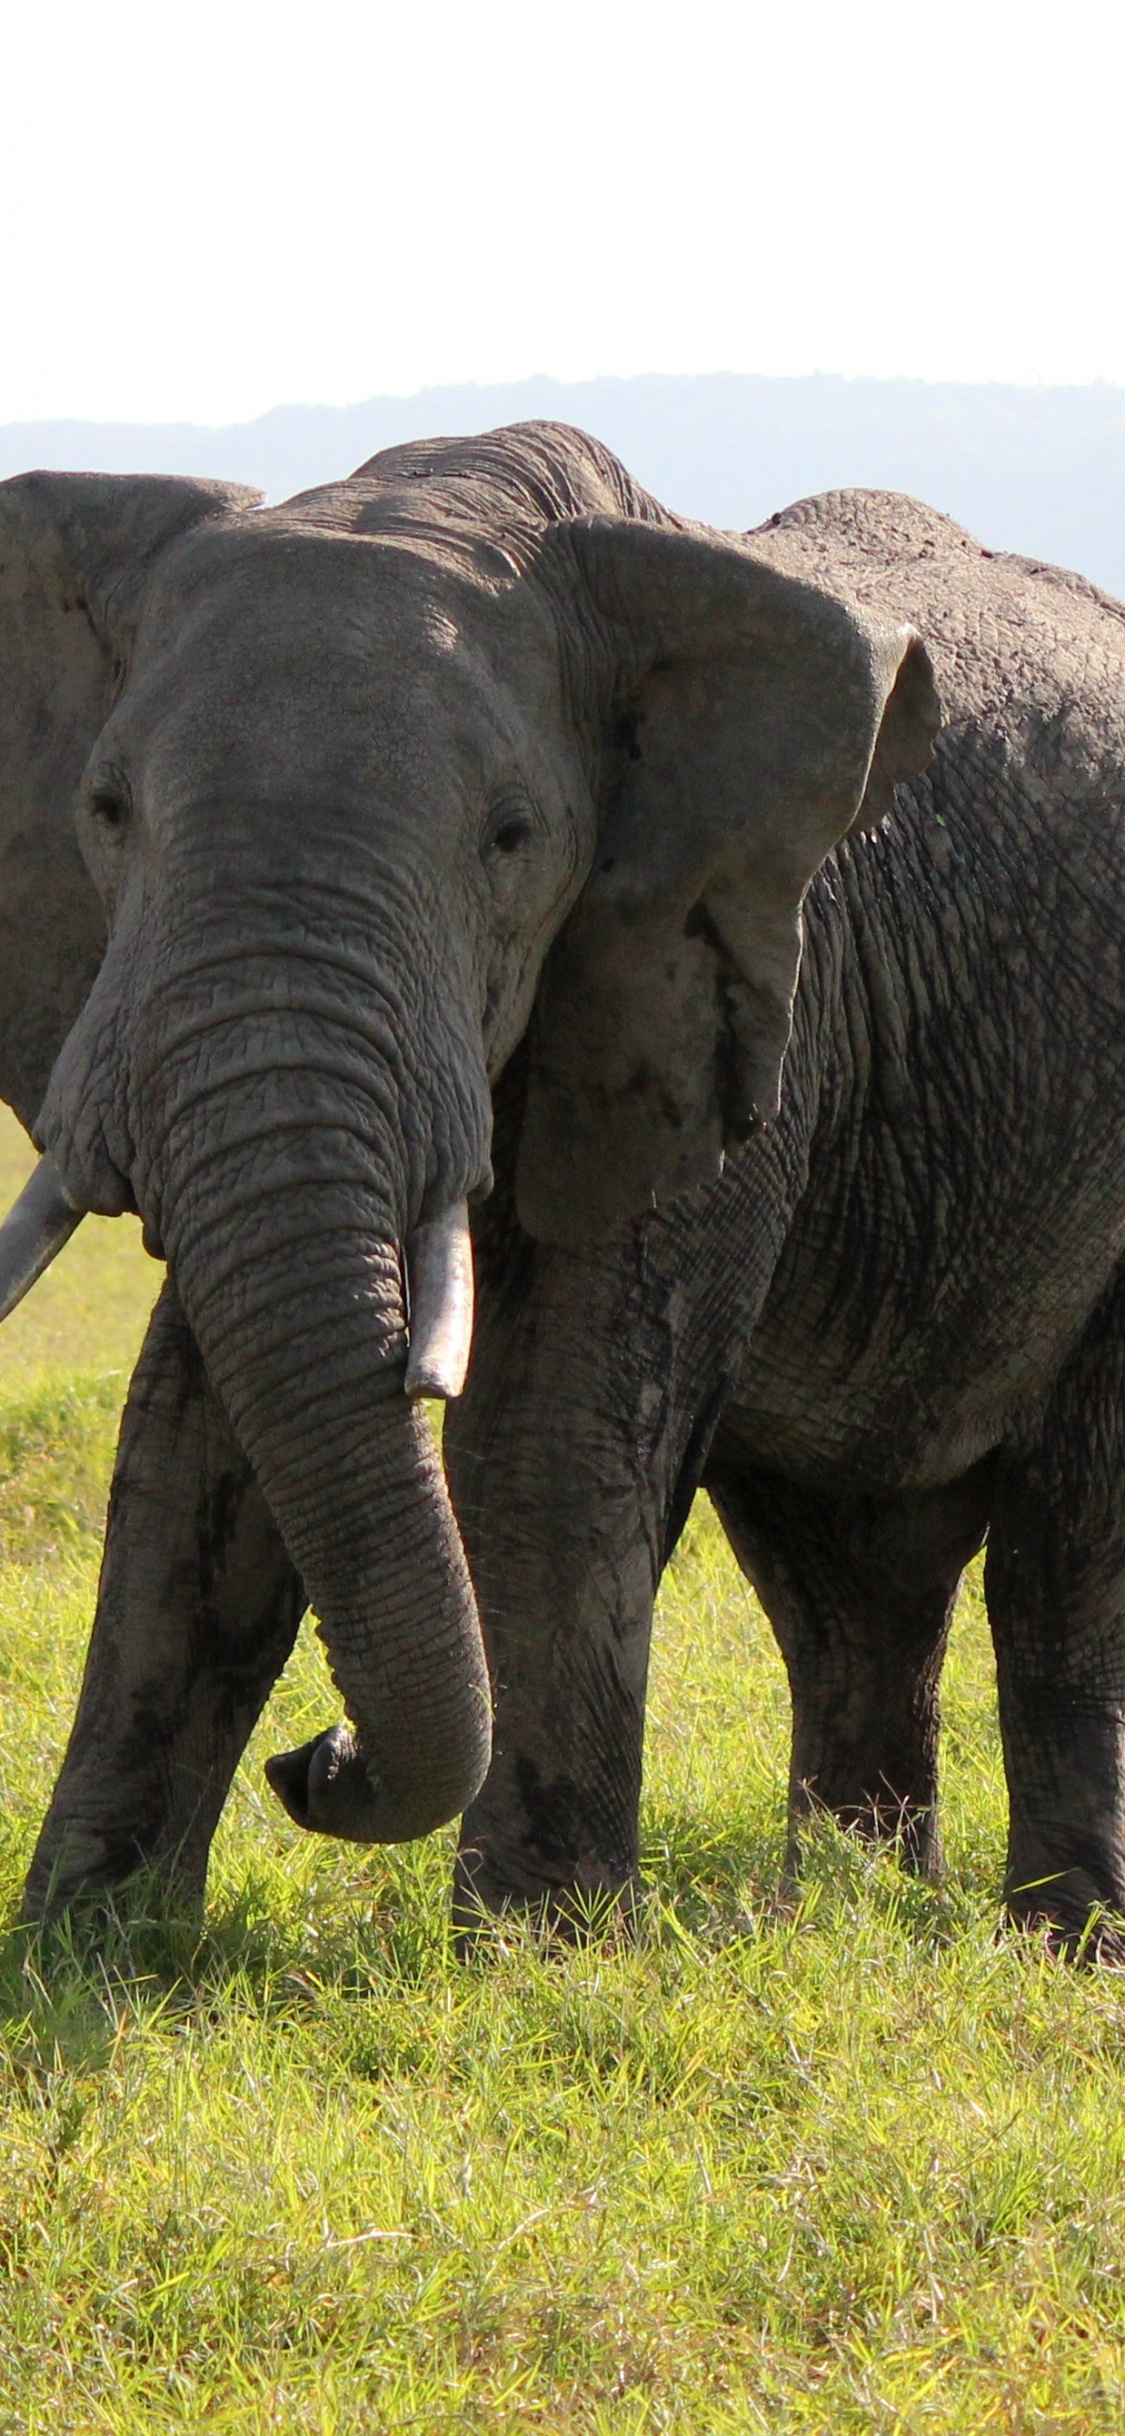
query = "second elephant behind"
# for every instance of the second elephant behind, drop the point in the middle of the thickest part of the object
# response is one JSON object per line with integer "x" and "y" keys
{"x": 897, "y": 1323}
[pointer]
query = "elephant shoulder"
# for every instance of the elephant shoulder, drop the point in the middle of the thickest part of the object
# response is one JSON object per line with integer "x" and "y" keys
{"x": 1007, "y": 634}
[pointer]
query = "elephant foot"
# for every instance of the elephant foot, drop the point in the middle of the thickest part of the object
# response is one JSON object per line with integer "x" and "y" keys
{"x": 325, "y": 1788}
{"x": 1075, "y": 1923}
{"x": 908, "y": 1829}
{"x": 86, "y": 1857}
{"x": 75, "y": 1864}
{"x": 595, "y": 1903}
{"x": 80, "y": 1868}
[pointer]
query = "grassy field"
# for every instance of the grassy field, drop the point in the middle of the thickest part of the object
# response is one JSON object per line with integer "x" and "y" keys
{"x": 856, "y": 2168}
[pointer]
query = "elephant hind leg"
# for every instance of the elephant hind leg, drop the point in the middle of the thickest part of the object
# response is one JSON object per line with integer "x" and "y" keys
{"x": 198, "y": 1608}
{"x": 1055, "y": 1590}
{"x": 860, "y": 1593}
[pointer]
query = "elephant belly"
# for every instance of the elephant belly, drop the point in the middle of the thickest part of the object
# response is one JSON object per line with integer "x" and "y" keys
{"x": 816, "y": 1430}
{"x": 915, "y": 1397}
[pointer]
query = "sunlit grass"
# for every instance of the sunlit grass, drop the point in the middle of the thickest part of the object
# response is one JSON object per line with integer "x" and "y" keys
{"x": 91, "y": 1309}
{"x": 855, "y": 2166}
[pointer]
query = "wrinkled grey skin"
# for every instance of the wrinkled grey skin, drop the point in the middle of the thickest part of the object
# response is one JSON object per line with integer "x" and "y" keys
{"x": 896, "y": 1323}
{"x": 293, "y": 803}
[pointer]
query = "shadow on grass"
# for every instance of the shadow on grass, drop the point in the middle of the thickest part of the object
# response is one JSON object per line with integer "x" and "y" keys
{"x": 721, "y": 1878}
{"x": 65, "y": 1984}
{"x": 712, "y": 1869}
{"x": 274, "y": 1943}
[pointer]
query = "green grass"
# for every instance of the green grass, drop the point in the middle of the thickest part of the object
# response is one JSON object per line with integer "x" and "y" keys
{"x": 90, "y": 1311}
{"x": 855, "y": 2167}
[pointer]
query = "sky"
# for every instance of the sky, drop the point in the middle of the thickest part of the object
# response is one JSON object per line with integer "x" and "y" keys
{"x": 215, "y": 208}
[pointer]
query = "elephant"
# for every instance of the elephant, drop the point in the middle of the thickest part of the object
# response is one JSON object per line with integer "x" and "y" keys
{"x": 892, "y": 1329}
{"x": 296, "y": 805}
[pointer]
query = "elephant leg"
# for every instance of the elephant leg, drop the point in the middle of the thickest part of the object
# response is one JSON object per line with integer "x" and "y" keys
{"x": 564, "y": 1462}
{"x": 1055, "y": 1587}
{"x": 198, "y": 1608}
{"x": 860, "y": 1594}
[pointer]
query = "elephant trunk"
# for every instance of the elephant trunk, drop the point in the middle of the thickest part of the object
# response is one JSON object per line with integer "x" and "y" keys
{"x": 293, "y": 1287}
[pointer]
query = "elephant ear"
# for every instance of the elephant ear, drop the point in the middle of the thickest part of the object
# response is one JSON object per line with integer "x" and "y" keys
{"x": 74, "y": 550}
{"x": 753, "y": 720}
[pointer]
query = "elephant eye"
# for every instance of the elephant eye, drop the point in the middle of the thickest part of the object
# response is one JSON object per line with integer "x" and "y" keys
{"x": 109, "y": 808}
{"x": 509, "y": 833}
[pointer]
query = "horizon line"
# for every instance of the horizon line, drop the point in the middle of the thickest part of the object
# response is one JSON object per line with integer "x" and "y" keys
{"x": 620, "y": 380}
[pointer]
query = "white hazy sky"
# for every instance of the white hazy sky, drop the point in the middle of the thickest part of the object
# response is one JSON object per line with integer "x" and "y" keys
{"x": 209, "y": 209}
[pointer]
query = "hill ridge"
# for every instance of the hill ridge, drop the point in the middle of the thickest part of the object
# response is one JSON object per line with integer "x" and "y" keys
{"x": 1038, "y": 470}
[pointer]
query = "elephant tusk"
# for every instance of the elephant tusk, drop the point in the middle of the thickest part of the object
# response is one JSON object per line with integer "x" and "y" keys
{"x": 36, "y": 1227}
{"x": 439, "y": 1277}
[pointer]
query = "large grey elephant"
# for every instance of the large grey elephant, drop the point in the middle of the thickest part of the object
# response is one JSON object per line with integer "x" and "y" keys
{"x": 293, "y": 803}
{"x": 895, "y": 1323}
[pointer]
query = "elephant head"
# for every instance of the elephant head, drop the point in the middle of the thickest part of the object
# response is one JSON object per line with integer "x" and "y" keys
{"x": 307, "y": 815}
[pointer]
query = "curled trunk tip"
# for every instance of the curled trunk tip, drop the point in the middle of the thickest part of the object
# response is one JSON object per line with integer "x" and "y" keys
{"x": 328, "y": 1788}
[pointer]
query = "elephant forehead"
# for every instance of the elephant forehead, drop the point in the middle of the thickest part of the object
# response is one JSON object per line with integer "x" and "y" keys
{"x": 326, "y": 657}
{"x": 303, "y": 598}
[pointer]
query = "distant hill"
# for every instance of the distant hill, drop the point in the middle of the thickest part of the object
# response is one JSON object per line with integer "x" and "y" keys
{"x": 1041, "y": 471}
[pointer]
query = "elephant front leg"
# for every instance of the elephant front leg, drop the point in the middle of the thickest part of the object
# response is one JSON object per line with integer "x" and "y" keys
{"x": 198, "y": 1608}
{"x": 558, "y": 1459}
{"x": 860, "y": 1595}
{"x": 555, "y": 1829}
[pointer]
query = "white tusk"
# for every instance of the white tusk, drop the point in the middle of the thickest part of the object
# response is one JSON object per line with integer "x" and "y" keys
{"x": 439, "y": 1274}
{"x": 36, "y": 1227}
